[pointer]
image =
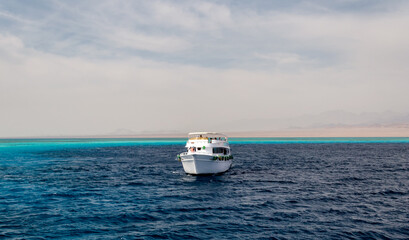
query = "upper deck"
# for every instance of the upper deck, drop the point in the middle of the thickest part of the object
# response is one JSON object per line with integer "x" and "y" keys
{"x": 207, "y": 139}
{"x": 207, "y": 143}
{"x": 207, "y": 136}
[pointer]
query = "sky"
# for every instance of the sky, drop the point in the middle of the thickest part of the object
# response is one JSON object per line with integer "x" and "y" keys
{"x": 93, "y": 67}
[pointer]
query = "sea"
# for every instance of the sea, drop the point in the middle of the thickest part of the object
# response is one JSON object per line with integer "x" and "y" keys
{"x": 277, "y": 188}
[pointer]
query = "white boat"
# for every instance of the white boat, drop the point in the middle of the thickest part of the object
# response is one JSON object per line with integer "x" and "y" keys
{"x": 207, "y": 153}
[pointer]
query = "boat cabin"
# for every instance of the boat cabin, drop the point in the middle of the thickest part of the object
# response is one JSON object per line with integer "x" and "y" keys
{"x": 208, "y": 143}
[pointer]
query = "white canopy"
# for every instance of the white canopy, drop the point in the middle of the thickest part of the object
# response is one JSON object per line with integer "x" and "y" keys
{"x": 207, "y": 133}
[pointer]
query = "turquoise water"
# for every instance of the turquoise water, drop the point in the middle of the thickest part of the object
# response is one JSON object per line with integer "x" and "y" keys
{"x": 101, "y": 142}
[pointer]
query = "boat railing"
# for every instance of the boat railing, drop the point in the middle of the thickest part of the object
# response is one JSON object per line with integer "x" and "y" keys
{"x": 215, "y": 140}
{"x": 198, "y": 138}
{"x": 210, "y": 140}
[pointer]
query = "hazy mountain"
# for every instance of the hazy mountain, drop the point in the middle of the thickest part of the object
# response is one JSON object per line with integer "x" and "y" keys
{"x": 122, "y": 132}
{"x": 325, "y": 119}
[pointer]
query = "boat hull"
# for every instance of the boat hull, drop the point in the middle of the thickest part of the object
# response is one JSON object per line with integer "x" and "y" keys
{"x": 197, "y": 164}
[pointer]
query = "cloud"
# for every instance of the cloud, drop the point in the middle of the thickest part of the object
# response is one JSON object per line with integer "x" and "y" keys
{"x": 84, "y": 68}
{"x": 191, "y": 15}
{"x": 46, "y": 94}
{"x": 123, "y": 38}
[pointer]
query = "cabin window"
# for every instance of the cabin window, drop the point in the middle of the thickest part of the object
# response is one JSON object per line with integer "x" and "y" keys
{"x": 221, "y": 150}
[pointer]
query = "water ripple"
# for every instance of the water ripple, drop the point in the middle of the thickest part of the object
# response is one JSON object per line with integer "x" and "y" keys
{"x": 275, "y": 191}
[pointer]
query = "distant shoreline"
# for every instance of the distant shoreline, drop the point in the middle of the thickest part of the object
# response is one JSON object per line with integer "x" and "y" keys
{"x": 395, "y": 131}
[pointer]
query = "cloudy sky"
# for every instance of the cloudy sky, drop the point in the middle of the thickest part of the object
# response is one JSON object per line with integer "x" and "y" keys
{"x": 91, "y": 67}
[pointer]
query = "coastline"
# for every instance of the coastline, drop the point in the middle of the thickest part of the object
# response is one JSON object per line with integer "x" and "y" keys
{"x": 334, "y": 132}
{"x": 330, "y": 132}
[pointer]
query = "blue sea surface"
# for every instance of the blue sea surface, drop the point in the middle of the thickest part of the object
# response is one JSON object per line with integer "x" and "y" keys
{"x": 277, "y": 188}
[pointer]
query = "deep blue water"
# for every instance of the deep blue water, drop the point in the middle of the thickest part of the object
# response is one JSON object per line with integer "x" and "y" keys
{"x": 135, "y": 189}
